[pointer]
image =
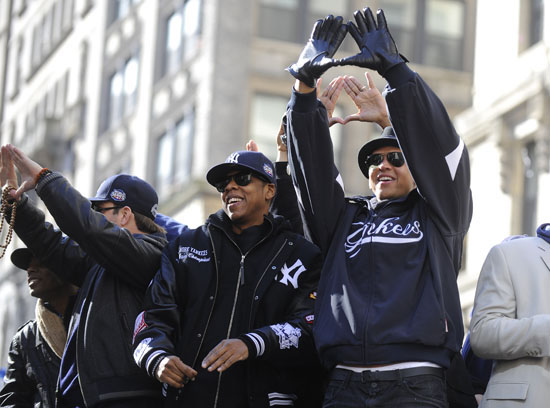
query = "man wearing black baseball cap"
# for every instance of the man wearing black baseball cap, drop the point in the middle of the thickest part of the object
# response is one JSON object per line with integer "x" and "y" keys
{"x": 111, "y": 250}
{"x": 232, "y": 305}
{"x": 36, "y": 349}
{"x": 388, "y": 317}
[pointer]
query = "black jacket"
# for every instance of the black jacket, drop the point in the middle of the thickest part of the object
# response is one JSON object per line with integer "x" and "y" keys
{"x": 183, "y": 295}
{"x": 388, "y": 289}
{"x": 32, "y": 371}
{"x": 112, "y": 267}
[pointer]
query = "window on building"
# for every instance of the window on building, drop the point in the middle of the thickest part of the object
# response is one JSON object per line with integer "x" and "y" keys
{"x": 530, "y": 188}
{"x": 265, "y": 121}
{"x": 292, "y": 20}
{"x": 175, "y": 155}
{"x": 182, "y": 35}
{"x": 536, "y": 17}
{"x": 428, "y": 32}
{"x": 121, "y": 8}
{"x": 123, "y": 85}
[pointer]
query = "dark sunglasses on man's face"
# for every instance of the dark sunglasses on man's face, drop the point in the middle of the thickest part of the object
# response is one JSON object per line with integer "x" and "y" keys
{"x": 242, "y": 179}
{"x": 396, "y": 159}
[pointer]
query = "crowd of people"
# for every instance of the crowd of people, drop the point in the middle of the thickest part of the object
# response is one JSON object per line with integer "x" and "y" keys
{"x": 292, "y": 294}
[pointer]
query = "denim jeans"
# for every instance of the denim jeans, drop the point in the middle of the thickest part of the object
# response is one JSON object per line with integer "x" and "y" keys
{"x": 353, "y": 390}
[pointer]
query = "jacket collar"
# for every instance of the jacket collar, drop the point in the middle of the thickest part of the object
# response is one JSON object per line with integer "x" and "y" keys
{"x": 51, "y": 328}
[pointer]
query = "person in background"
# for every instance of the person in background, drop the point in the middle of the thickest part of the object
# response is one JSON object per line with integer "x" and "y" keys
{"x": 36, "y": 349}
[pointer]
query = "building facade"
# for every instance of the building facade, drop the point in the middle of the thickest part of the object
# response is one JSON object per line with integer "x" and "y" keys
{"x": 164, "y": 89}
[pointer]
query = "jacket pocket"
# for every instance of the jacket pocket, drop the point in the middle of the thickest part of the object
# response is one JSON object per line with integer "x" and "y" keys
{"x": 506, "y": 391}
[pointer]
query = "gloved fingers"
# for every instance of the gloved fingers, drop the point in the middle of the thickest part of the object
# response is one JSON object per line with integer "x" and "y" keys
{"x": 326, "y": 28}
{"x": 381, "y": 18}
{"x": 360, "y": 20}
{"x": 354, "y": 32}
{"x": 316, "y": 29}
{"x": 351, "y": 60}
{"x": 338, "y": 35}
{"x": 369, "y": 18}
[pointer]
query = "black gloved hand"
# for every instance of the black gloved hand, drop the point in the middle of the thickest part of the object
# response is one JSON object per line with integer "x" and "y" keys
{"x": 316, "y": 57}
{"x": 378, "y": 49}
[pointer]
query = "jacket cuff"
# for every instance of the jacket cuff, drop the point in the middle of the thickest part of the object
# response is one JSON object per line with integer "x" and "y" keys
{"x": 255, "y": 343}
{"x": 282, "y": 170}
{"x": 153, "y": 362}
{"x": 399, "y": 75}
{"x": 303, "y": 102}
{"x": 46, "y": 180}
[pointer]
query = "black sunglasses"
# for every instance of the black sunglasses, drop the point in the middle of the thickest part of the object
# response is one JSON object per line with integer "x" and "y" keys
{"x": 396, "y": 159}
{"x": 102, "y": 209}
{"x": 242, "y": 179}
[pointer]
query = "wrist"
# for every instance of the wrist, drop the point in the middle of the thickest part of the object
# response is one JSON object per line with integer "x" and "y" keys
{"x": 42, "y": 173}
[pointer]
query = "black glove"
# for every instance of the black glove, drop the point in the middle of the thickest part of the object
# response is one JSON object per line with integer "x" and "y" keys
{"x": 378, "y": 49}
{"x": 316, "y": 57}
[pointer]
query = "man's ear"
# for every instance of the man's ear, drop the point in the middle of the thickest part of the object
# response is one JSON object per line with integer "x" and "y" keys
{"x": 270, "y": 193}
{"x": 126, "y": 215}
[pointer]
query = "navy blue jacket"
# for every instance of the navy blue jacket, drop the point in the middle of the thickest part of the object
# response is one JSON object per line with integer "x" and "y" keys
{"x": 112, "y": 267}
{"x": 388, "y": 289}
{"x": 183, "y": 295}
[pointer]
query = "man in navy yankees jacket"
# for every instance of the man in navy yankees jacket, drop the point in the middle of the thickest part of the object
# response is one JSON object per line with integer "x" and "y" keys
{"x": 388, "y": 316}
{"x": 231, "y": 308}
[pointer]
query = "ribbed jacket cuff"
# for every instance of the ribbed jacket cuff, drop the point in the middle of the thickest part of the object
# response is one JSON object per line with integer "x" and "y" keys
{"x": 255, "y": 343}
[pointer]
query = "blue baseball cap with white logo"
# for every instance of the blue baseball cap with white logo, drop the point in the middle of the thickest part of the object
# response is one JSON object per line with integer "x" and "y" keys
{"x": 125, "y": 190}
{"x": 243, "y": 160}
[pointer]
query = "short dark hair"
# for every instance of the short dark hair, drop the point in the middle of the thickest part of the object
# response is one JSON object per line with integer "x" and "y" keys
{"x": 144, "y": 223}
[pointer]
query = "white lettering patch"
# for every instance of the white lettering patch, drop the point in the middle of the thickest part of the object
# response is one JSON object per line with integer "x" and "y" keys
{"x": 142, "y": 349}
{"x": 289, "y": 336}
{"x": 389, "y": 231}
{"x": 192, "y": 253}
{"x": 290, "y": 275}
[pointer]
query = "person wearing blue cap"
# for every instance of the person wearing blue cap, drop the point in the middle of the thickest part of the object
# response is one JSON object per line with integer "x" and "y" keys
{"x": 111, "y": 251}
{"x": 36, "y": 349}
{"x": 231, "y": 308}
{"x": 388, "y": 320}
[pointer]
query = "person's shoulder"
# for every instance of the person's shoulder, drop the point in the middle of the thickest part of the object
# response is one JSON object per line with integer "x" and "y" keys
{"x": 26, "y": 331}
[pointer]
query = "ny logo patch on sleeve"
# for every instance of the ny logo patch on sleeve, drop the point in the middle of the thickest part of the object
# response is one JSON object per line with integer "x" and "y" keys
{"x": 290, "y": 276}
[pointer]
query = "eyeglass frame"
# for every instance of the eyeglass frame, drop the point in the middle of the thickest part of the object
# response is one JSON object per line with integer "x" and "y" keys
{"x": 102, "y": 209}
{"x": 222, "y": 185}
{"x": 396, "y": 159}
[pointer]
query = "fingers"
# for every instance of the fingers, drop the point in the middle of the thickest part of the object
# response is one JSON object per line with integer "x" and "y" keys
{"x": 360, "y": 20}
{"x": 381, "y": 18}
{"x": 252, "y": 146}
{"x": 353, "y": 87}
{"x": 225, "y": 354}
{"x": 174, "y": 372}
{"x": 370, "y": 81}
{"x": 369, "y": 19}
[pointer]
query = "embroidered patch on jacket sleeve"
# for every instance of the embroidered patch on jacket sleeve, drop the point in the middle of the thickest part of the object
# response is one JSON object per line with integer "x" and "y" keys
{"x": 141, "y": 350}
{"x": 139, "y": 325}
{"x": 289, "y": 336}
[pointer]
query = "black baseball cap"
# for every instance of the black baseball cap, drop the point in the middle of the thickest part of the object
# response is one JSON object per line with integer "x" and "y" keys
{"x": 243, "y": 160}
{"x": 387, "y": 138}
{"x": 22, "y": 258}
{"x": 131, "y": 191}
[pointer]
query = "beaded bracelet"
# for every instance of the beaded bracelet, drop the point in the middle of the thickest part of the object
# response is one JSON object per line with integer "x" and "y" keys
{"x": 4, "y": 208}
{"x": 41, "y": 174}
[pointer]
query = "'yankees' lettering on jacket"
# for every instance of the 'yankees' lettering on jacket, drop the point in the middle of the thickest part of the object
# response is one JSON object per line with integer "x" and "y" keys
{"x": 278, "y": 276}
{"x": 388, "y": 289}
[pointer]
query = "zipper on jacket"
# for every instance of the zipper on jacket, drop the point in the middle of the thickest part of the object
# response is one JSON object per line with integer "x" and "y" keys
{"x": 260, "y": 280}
{"x": 240, "y": 282}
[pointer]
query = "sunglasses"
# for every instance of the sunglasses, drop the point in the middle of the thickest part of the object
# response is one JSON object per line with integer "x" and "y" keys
{"x": 242, "y": 179}
{"x": 396, "y": 159}
{"x": 102, "y": 209}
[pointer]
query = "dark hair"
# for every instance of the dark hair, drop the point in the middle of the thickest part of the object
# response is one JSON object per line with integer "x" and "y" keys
{"x": 144, "y": 223}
